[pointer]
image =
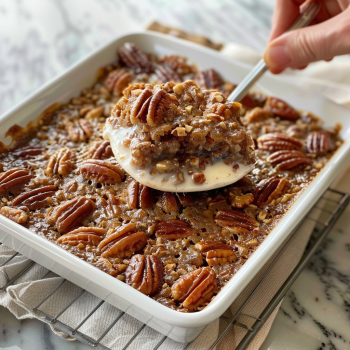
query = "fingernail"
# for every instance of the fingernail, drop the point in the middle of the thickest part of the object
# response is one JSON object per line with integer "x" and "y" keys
{"x": 277, "y": 56}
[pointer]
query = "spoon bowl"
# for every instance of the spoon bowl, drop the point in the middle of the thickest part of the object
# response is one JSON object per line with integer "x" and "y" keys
{"x": 217, "y": 174}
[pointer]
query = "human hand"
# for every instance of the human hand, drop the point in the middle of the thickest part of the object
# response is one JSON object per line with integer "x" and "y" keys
{"x": 328, "y": 35}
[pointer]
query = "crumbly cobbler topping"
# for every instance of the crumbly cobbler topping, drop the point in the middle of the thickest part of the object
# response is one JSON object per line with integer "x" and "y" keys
{"x": 62, "y": 182}
{"x": 180, "y": 128}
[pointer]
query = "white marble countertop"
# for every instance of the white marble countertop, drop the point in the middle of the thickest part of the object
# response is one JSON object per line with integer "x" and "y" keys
{"x": 41, "y": 38}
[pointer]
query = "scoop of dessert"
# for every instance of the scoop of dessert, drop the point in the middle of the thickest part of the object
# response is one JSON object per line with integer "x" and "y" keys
{"x": 179, "y": 138}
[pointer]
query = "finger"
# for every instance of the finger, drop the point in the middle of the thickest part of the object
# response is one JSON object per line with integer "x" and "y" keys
{"x": 320, "y": 42}
{"x": 287, "y": 11}
{"x": 284, "y": 15}
{"x": 302, "y": 67}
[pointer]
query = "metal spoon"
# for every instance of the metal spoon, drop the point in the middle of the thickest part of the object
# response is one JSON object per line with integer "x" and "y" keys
{"x": 217, "y": 174}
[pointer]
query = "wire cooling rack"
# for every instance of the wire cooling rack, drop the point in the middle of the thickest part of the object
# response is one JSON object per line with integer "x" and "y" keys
{"x": 331, "y": 205}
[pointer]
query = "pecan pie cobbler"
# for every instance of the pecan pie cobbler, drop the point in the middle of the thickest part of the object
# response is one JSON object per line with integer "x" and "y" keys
{"x": 62, "y": 182}
{"x": 180, "y": 129}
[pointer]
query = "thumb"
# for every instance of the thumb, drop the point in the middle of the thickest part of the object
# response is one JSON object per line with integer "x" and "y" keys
{"x": 303, "y": 46}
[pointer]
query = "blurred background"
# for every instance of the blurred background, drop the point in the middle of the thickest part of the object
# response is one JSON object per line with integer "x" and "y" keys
{"x": 41, "y": 38}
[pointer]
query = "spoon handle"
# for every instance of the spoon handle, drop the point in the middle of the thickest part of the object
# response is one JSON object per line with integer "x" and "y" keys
{"x": 303, "y": 20}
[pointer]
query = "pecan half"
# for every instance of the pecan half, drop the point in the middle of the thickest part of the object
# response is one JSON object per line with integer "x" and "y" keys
{"x": 236, "y": 221}
{"x": 35, "y": 199}
{"x": 281, "y": 109}
{"x": 216, "y": 252}
{"x": 173, "y": 229}
{"x": 166, "y": 73}
{"x": 270, "y": 189}
{"x": 101, "y": 171}
{"x": 60, "y": 163}
{"x": 69, "y": 214}
{"x": 145, "y": 273}
{"x": 218, "y": 202}
{"x": 111, "y": 206}
{"x": 177, "y": 63}
{"x": 13, "y": 179}
{"x": 154, "y": 115}
{"x": 169, "y": 203}
{"x": 278, "y": 141}
{"x": 29, "y": 151}
{"x": 15, "y": 214}
{"x": 139, "y": 110}
{"x": 286, "y": 160}
{"x": 101, "y": 150}
{"x": 123, "y": 243}
{"x": 257, "y": 114}
{"x": 135, "y": 58}
{"x": 79, "y": 130}
{"x": 139, "y": 196}
{"x": 195, "y": 288}
{"x": 118, "y": 80}
{"x": 209, "y": 79}
{"x": 185, "y": 198}
{"x": 83, "y": 235}
{"x": 319, "y": 143}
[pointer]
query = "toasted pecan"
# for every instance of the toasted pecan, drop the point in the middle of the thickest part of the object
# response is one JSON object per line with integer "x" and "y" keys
{"x": 145, "y": 273}
{"x": 195, "y": 288}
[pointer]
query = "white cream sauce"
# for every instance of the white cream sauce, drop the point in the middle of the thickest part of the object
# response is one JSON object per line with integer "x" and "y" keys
{"x": 217, "y": 174}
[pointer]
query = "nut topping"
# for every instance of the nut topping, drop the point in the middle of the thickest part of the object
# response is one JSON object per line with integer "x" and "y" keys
{"x": 169, "y": 203}
{"x": 118, "y": 80}
{"x": 286, "y": 160}
{"x": 257, "y": 114}
{"x": 198, "y": 178}
{"x": 218, "y": 202}
{"x": 154, "y": 115}
{"x": 83, "y": 236}
{"x": 101, "y": 171}
{"x": 241, "y": 201}
{"x": 17, "y": 215}
{"x": 101, "y": 150}
{"x": 145, "y": 273}
{"x": 174, "y": 229}
{"x": 69, "y": 214}
{"x": 236, "y": 221}
{"x": 13, "y": 179}
{"x": 185, "y": 198}
{"x": 281, "y": 109}
{"x": 216, "y": 252}
{"x": 139, "y": 110}
{"x": 60, "y": 163}
{"x": 133, "y": 57}
{"x": 319, "y": 143}
{"x": 209, "y": 79}
{"x": 140, "y": 196}
{"x": 79, "y": 130}
{"x": 277, "y": 141}
{"x": 165, "y": 73}
{"x": 177, "y": 63}
{"x": 195, "y": 288}
{"x": 35, "y": 199}
{"x": 123, "y": 243}
{"x": 270, "y": 189}
{"x": 29, "y": 151}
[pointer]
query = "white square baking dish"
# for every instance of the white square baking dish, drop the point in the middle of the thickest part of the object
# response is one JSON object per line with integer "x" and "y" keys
{"x": 178, "y": 326}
